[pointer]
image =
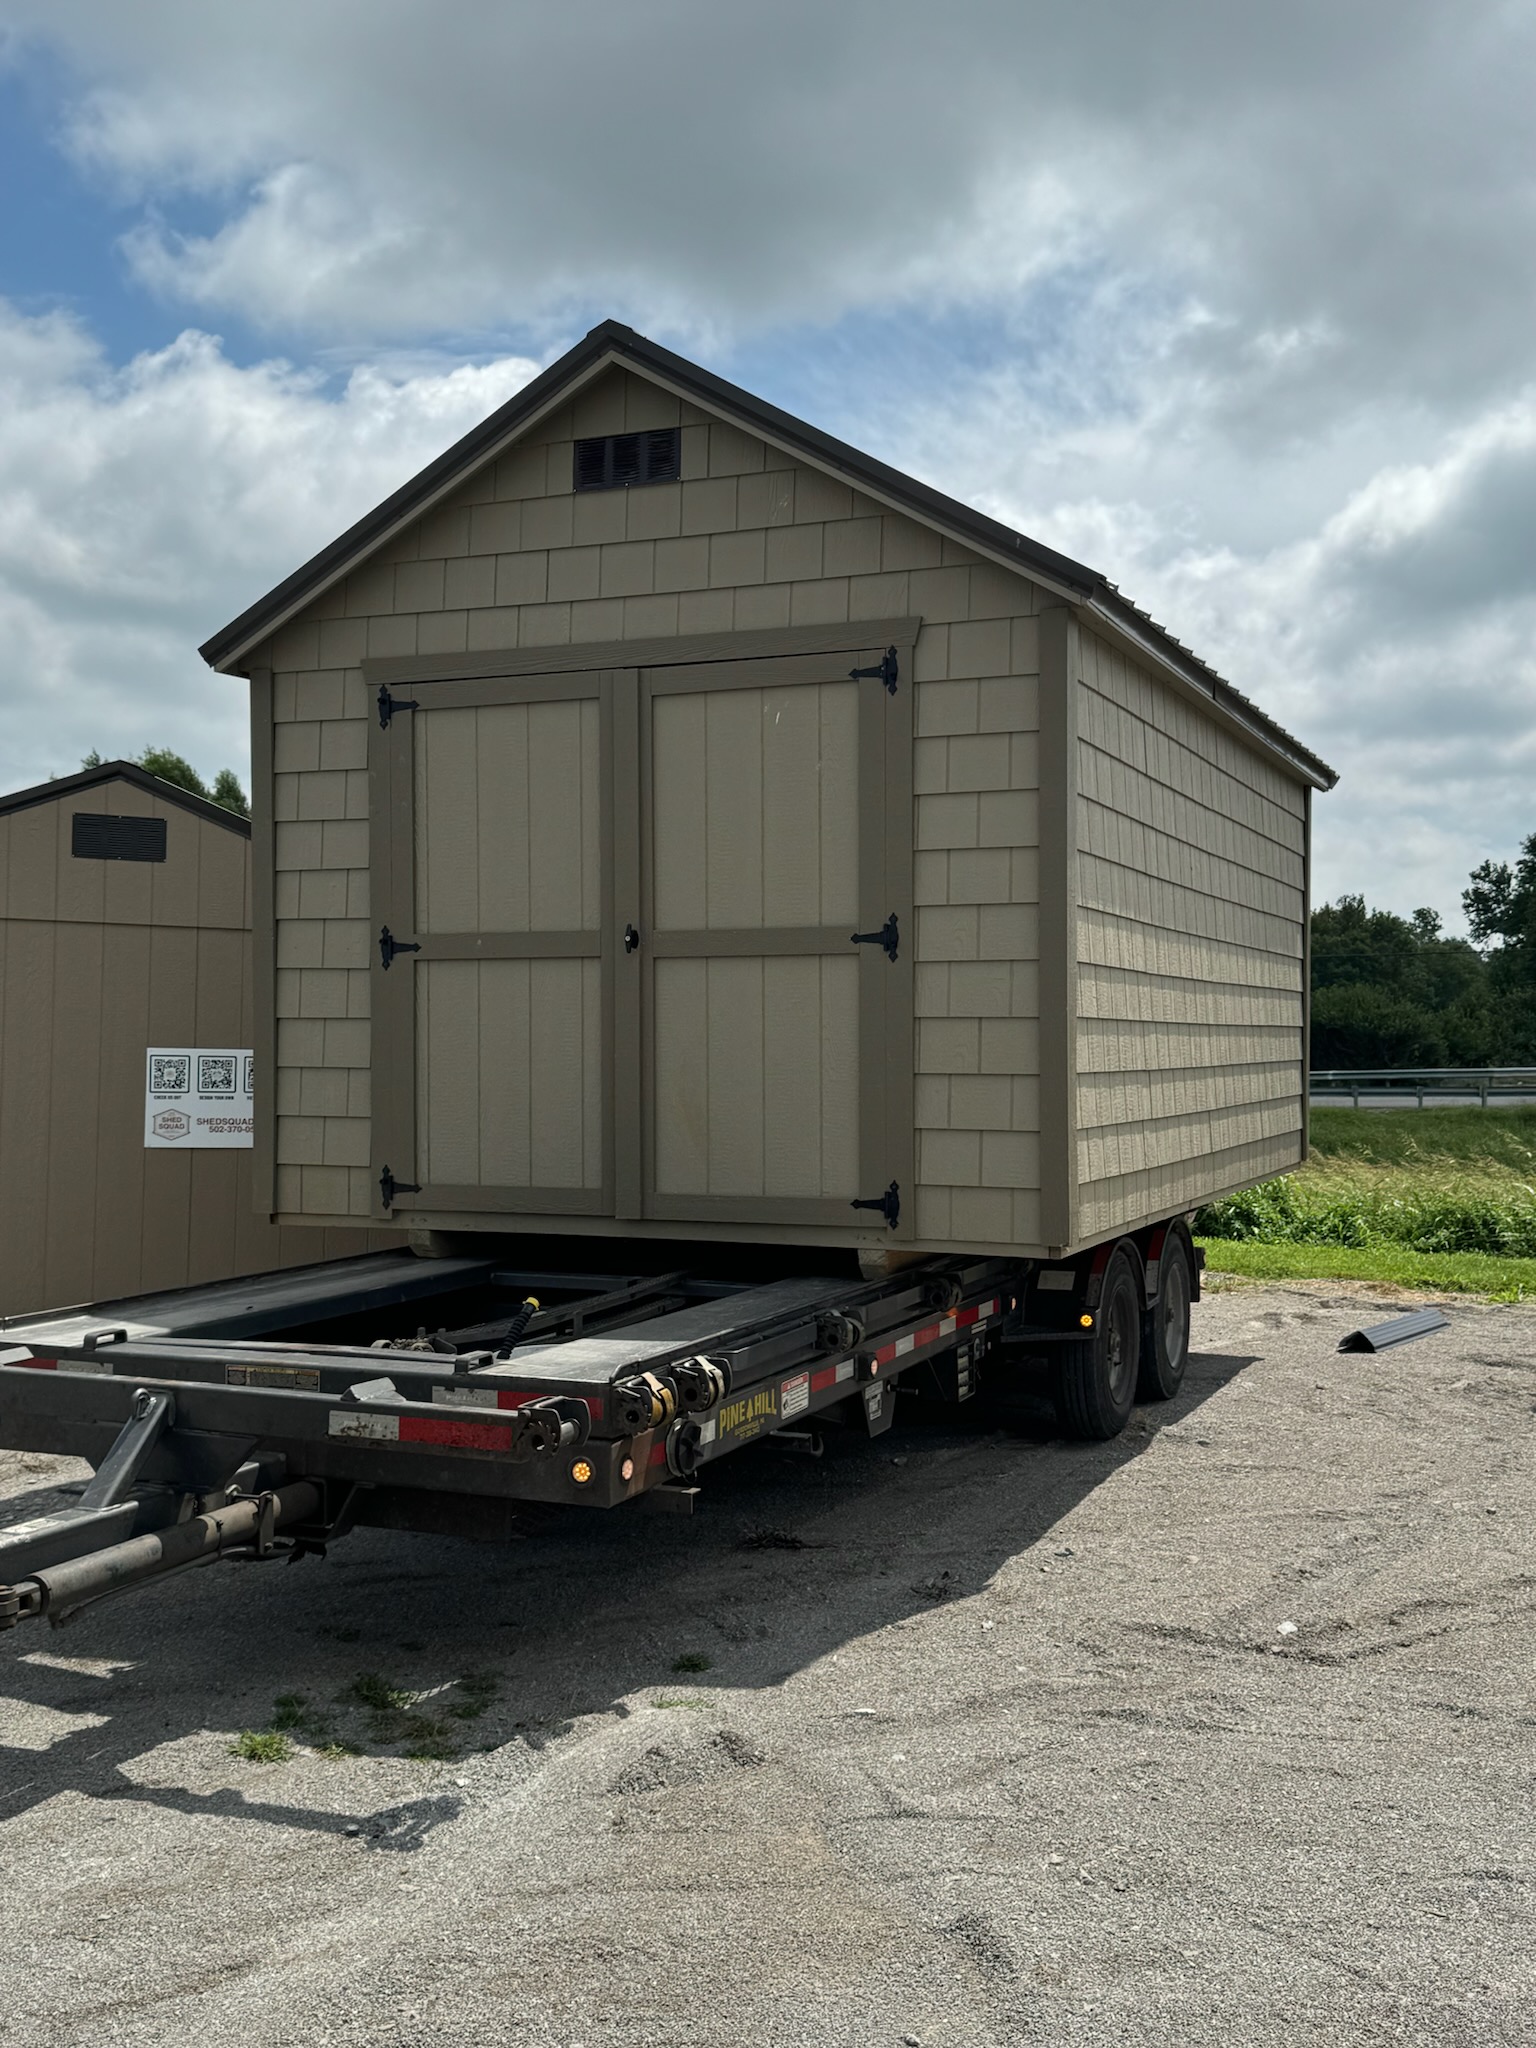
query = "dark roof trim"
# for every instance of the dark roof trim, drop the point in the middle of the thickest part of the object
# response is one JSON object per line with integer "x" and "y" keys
{"x": 612, "y": 340}
{"x": 125, "y": 771}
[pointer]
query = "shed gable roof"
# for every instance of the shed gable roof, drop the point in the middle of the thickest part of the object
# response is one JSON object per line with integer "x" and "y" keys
{"x": 140, "y": 778}
{"x": 612, "y": 343}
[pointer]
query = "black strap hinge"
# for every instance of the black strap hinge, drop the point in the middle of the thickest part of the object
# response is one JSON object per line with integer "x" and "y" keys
{"x": 885, "y": 670}
{"x": 389, "y": 1187}
{"x": 889, "y": 1205}
{"x": 389, "y": 946}
{"x": 888, "y": 938}
{"x": 388, "y": 706}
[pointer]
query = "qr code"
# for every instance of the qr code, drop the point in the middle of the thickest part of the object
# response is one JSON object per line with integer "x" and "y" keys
{"x": 250, "y": 1064}
{"x": 215, "y": 1073}
{"x": 169, "y": 1073}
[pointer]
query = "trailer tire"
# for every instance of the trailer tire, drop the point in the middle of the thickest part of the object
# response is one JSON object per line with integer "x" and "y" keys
{"x": 1165, "y": 1327}
{"x": 1095, "y": 1378}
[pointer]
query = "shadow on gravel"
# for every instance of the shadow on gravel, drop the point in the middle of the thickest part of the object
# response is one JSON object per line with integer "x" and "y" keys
{"x": 788, "y": 1558}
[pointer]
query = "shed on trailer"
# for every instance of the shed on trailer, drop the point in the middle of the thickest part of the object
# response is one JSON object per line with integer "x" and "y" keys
{"x": 124, "y": 924}
{"x": 691, "y": 826}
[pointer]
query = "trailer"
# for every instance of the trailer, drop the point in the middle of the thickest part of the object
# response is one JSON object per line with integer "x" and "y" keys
{"x": 777, "y": 940}
{"x": 276, "y": 1414}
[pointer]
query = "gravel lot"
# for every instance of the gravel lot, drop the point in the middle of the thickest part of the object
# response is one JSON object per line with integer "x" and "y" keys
{"x": 1219, "y": 1734}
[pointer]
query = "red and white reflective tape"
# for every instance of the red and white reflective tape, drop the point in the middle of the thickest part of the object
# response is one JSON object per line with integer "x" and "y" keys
{"x": 932, "y": 1333}
{"x": 361, "y": 1426}
{"x": 830, "y": 1375}
{"x": 505, "y": 1397}
{"x": 100, "y": 1366}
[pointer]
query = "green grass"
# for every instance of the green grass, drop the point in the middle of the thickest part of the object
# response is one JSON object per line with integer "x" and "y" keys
{"x": 372, "y": 1691}
{"x": 1414, "y": 1137}
{"x": 1429, "y": 1272}
{"x": 1442, "y": 1199}
{"x": 264, "y": 1747}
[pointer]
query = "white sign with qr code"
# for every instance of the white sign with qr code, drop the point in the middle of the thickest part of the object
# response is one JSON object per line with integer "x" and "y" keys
{"x": 197, "y": 1098}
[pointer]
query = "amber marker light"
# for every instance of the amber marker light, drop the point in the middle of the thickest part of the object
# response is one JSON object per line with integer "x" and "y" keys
{"x": 627, "y": 1470}
{"x": 1086, "y": 1322}
{"x": 581, "y": 1472}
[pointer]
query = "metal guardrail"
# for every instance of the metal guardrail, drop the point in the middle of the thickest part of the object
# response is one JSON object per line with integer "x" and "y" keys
{"x": 1421, "y": 1081}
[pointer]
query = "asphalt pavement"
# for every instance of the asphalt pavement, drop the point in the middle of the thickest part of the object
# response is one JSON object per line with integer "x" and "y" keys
{"x": 964, "y": 1737}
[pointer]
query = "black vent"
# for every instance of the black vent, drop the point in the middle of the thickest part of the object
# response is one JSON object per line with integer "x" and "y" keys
{"x": 99, "y": 836}
{"x": 615, "y": 461}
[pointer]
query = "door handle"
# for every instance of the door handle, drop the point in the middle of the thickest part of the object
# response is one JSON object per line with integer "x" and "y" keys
{"x": 631, "y": 938}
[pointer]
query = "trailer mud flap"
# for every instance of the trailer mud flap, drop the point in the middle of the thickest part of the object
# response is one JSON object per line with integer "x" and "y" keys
{"x": 879, "y": 1406}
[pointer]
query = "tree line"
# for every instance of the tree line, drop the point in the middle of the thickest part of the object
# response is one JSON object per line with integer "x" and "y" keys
{"x": 224, "y": 790}
{"x": 1392, "y": 991}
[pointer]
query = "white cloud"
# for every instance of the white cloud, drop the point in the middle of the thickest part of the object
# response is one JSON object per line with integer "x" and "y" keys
{"x": 1343, "y": 185}
{"x": 1233, "y": 303}
{"x": 141, "y": 508}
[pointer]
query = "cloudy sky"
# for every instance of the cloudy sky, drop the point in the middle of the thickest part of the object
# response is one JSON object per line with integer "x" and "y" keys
{"x": 1236, "y": 304}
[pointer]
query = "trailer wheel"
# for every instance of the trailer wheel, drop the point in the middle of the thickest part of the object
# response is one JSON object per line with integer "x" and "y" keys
{"x": 1095, "y": 1382}
{"x": 1165, "y": 1327}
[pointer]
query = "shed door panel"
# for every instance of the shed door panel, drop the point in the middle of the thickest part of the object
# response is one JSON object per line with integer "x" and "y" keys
{"x": 756, "y": 1076}
{"x": 509, "y": 1073}
{"x": 508, "y": 832}
{"x": 761, "y": 812}
{"x": 497, "y": 1018}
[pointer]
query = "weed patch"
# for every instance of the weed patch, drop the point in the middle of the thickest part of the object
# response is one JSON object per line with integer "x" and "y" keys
{"x": 266, "y": 1746}
{"x": 691, "y": 1660}
{"x": 369, "y": 1690}
{"x": 1447, "y": 1183}
{"x": 476, "y": 1691}
{"x": 428, "y": 1740}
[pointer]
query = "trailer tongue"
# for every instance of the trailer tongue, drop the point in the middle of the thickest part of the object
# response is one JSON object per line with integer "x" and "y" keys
{"x": 555, "y": 1390}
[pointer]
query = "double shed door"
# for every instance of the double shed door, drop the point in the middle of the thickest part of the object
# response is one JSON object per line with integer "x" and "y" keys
{"x": 618, "y": 911}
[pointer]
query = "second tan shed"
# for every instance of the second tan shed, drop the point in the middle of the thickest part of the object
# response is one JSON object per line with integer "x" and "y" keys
{"x": 124, "y": 924}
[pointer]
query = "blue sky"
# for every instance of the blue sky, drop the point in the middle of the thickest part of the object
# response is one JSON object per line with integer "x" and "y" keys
{"x": 1235, "y": 308}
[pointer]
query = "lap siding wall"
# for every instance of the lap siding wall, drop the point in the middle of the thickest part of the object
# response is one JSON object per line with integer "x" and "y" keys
{"x": 1191, "y": 923}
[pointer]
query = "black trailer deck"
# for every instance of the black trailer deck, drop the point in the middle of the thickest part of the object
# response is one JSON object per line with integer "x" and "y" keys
{"x": 283, "y": 1410}
{"x": 603, "y": 1389}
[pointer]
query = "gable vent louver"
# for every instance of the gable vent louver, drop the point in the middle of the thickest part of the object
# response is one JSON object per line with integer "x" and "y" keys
{"x": 98, "y": 835}
{"x": 614, "y": 462}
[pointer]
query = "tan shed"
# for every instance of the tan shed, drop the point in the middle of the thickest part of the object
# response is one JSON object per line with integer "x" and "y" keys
{"x": 673, "y": 822}
{"x": 124, "y": 924}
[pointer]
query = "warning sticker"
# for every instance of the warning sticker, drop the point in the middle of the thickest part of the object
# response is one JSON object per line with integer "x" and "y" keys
{"x": 198, "y": 1099}
{"x": 306, "y": 1376}
{"x": 795, "y": 1395}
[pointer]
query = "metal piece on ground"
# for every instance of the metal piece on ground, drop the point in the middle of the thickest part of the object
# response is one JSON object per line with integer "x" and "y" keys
{"x": 1400, "y": 1330}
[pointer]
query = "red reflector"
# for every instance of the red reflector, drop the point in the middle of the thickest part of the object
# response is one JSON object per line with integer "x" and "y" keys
{"x": 658, "y": 1454}
{"x": 459, "y": 1436}
{"x": 827, "y": 1377}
